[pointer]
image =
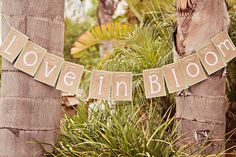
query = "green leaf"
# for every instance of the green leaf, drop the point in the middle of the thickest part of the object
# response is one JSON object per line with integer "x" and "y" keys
{"x": 110, "y": 31}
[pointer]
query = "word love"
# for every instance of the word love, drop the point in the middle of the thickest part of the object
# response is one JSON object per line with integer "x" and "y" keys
{"x": 66, "y": 76}
{"x": 35, "y": 61}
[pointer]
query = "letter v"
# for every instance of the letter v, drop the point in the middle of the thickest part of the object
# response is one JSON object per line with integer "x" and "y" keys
{"x": 47, "y": 73}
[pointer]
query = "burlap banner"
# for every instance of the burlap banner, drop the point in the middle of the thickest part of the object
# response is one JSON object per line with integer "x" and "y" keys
{"x": 154, "y": 83}
{"x": 13, "y": 44}
{"x": 70, "y": 77}
{"x": 211, "y": 58}
{"x": 174, "y": 77}
{"x": 49, "y": 69}
{"x": 122, "y": 86}
{"x": 100, "y": 85}
{"x": 225, "y": 45}
{"x": 193, "y": 70}
{"x": 65, "y": 76}
{"x": 30, "y": 58}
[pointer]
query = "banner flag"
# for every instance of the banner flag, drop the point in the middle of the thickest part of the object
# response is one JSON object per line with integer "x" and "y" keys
{"x": 49, "y": 69}
{"x": 13, "y": 44}
{"x": 66, "y": 76}
{"x": 122, "y": 86}
{"x": 192, "y": 69}
{"x": 174, "y": 77}
{"x": 100, "y": 85}
{"x": 211, "y": 58}
{"x": 154, "y": 83}
{"x": 69, "y": 78}
{"x": 225, "y": 46}
{"x": 30, "y": 58}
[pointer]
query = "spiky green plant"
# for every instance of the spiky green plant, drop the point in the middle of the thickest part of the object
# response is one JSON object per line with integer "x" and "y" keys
{"x": 121, "y": 131}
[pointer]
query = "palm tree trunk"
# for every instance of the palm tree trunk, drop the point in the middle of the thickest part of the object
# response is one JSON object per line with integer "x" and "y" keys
{"x": 106, "y": 9}
{"x": 201, "y": 109}
{"x": 30, "y": 110}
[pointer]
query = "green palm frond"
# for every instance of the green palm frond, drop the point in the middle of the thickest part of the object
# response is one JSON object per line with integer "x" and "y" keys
{"x": 110, "y": 31}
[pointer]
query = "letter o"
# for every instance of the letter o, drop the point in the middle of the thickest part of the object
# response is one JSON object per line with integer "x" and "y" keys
{"x": 26, "y": 55}
{"x": 195, "y": 65}
{"x": 216, "y": 58}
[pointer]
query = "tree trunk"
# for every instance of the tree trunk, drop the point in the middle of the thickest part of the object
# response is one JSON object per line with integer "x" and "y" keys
{"x": 106, "y": 9}
{"x": 201, "y": 109}
{"x": 29, "y": 109}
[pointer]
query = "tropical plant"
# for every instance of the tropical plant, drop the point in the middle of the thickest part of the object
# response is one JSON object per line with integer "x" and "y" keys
{"x": 120, "y": 131}
{"x": 109, "y": 31}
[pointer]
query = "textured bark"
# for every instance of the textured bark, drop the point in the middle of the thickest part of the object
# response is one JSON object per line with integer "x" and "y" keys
{"x": 29, "y": 109}
{"x": 202, "y": 107}
{"x": 106, "y": 9}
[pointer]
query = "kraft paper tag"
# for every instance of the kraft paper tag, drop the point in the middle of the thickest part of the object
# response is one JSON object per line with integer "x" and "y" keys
{"x": 211, "y": 58}
{"x": 70, "y": 77}
{"x": 30, "y": 58}
{"x": 100, "y": 85}
{"x": 49, "y": 69}
{"x": 154, "y": 83}
{"x": 174, "y": 77}
{"x": 192, "y": 69}
{"x": 13, "y": 44}
{"x": 122, "y": 86}
{"x": 225, "y": 46}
